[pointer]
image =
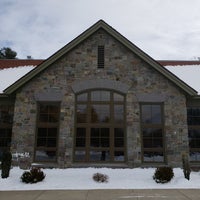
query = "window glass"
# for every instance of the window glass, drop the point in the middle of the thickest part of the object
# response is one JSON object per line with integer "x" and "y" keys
{"x": 119, "y": 113}
{"x": 119, "y": 156}
{"x": 49, "y": 113}
{"x": 100, "y": 96}
{"x": 5, "y": 137}
{"x": 156, "y": 114}
{"x": 118, "y": 97}
{"x": 6, "y": 120}
{"x": 153, "y": 156}
{"x": 152, "y": 132}
{"x": 80, "y": 137}
{"x": 99, "y": 155}
{"x": 51, "y": 142}
{"x": 194, "y": 156}
{"x": 193, "y": 116}
{"x": 81, "y": 113}
{"x": 146, "y": 113}
{"x": 46, "y": 137}
{"x": 151, "y": 114}
{"x": 79, "y": 155}
{"x": 6, "y": 114}
{"x": 193, "y": 119}
{"x": 82, "y": 97}
{"x": 45, "y": 155}
{"x": 99, "y": 137}
{"x": 119, "y": 137}
{"x": 194, "y": 138}
{"x": 100, "y": 113}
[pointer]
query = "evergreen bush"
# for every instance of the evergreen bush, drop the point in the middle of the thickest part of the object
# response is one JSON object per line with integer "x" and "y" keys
{"x": 163, "y": 174}
{"x": 33, "y": 176}
{"x": 101, "y": 178}
{"x": 6, "y": 164}
{"x": 186, "y": 167}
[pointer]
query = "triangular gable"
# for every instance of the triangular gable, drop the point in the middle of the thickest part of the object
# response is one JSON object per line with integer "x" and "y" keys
{"x": 117, "y": 36}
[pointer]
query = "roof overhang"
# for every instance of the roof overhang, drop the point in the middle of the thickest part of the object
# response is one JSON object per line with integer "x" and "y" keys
{"x": 101, "y": 25}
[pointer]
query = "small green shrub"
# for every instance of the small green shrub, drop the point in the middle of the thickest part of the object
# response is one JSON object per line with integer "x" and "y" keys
{"x": 163, "y": 174}
{"x": 101, "y": 178}
{"x": 6, "y": 164}
{"x": 186, "y": 167}
{"x": 33, "y": 176}
{"x": 27, "y": 177}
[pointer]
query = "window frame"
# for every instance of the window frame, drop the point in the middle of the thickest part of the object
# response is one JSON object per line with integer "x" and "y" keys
{"x": 88, "y": 125}
{"x": 6, "y": 126}
{"x": 193, "y": 127}
{"x": 153, "y": 126}
{"x": 47, "y": 125}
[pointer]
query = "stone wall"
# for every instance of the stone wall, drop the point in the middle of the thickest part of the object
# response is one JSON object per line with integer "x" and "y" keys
{"x": 143, "y": 84}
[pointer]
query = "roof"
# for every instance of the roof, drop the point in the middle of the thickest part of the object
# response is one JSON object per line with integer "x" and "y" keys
{"x": 10, "y": 63}
{"x": 101, "y": 25}
{"x": 178, "y": 62}
{"x": 188, "y": 73}
{"x": 8, "y": 76}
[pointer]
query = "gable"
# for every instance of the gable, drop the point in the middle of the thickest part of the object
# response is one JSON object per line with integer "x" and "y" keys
{"x": 101, "y": 25}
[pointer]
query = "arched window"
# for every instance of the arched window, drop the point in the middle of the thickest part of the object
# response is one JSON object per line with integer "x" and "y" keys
{"x": 100, "y": 126}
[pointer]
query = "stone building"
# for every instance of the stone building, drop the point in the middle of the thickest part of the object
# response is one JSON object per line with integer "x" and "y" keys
{"x": 101, "y": 101}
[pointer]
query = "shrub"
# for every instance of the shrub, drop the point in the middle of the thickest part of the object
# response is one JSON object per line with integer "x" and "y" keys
{"x": 163, "y": 174}
{"x": 186, "y": 167}
{"x": 33, "y": 176}
{"x": 101, "y": 178}
{"x": 27, "y": 177}
{"x": 6, "y": 164}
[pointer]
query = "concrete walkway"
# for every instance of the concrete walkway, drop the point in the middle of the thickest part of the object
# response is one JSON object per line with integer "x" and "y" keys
{"x": 167, "y": 194}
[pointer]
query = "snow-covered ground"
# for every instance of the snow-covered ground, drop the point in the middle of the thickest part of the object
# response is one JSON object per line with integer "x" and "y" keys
{"x": 76, "y": 178}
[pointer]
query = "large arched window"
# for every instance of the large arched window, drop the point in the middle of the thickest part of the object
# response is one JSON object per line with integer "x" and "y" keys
{"x": 100, "y": 126}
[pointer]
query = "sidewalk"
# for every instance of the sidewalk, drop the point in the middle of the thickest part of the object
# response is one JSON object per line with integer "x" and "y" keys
{"x": 167, "y": 194}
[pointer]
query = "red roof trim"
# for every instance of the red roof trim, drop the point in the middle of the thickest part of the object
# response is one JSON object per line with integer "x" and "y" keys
{"x": 10, "y": 63}
{"x": 178, "y": 62}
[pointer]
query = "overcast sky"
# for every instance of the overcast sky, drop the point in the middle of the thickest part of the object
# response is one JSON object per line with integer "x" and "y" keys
{"x": 164, "y": 29}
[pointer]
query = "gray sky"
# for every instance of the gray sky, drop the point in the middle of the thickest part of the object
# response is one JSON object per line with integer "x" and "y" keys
{"x": 164, "y": 29}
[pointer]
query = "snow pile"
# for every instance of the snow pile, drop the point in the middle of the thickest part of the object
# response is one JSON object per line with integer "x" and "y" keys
{"x": 188, "y": 73}
{"x": 10, "y": 75}
{"x": 81, "y": 178}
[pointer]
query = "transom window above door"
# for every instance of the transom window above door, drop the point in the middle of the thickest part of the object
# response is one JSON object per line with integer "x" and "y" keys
{"x": 100, "y": 127}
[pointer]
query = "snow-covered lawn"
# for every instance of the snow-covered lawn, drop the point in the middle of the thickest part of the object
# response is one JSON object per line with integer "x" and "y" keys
{"x": 136, "y": 178}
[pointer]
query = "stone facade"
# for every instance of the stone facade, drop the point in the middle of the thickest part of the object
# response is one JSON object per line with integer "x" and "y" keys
{"x": 140, "y": 82}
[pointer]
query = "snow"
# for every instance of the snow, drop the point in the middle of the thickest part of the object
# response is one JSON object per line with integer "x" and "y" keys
{"x": 81, "y": 178}
{"x": 188, "y": 73}
{"x": 10, "y": 75}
